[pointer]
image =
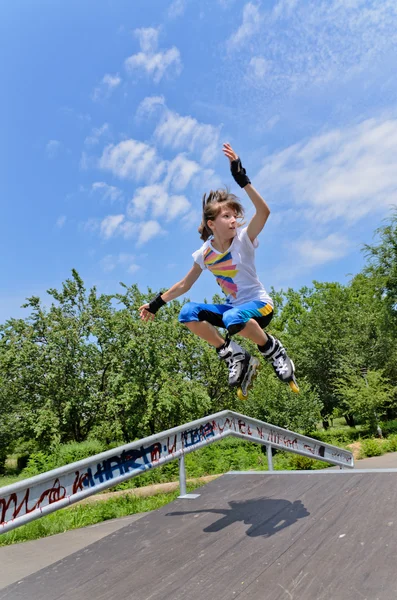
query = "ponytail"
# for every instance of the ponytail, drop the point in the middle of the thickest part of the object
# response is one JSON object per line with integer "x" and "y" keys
{"x": 211, "y": 207}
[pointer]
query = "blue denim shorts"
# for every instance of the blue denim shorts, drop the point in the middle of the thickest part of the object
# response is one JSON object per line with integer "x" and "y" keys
{"x": 226, "y": 315}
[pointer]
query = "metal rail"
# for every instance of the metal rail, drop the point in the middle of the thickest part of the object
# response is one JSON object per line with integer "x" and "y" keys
{"x": 33, "y": 498}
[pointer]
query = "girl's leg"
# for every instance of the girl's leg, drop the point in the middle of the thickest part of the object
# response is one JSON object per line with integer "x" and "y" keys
{"x": 253, "y": 331}
{"x": 207, "y": 332}
{"x": 202, "y": 320}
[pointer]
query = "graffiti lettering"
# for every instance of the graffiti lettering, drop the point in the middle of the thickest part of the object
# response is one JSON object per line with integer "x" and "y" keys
{"x": 99, "y": 472}
{"x": 195, "y": 436}
{"x": 53, "y": 494}
{"x": 282, "y": 440}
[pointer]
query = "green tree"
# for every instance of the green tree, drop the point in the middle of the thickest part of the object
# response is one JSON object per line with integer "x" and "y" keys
{"x": 367, "y": 396}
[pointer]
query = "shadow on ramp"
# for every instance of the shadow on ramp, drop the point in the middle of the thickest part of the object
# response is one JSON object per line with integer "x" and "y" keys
{"x": 266, "y": 516}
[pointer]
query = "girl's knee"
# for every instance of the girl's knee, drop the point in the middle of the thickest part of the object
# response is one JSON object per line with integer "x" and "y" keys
{"x": 233, "y": 320}
{"x": 188, "y": 312}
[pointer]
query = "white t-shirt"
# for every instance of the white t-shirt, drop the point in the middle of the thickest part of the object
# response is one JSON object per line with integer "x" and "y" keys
{"x": 234, "y": 269}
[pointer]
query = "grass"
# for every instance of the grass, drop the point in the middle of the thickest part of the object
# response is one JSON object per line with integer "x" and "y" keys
{"x": 83, "y": 515}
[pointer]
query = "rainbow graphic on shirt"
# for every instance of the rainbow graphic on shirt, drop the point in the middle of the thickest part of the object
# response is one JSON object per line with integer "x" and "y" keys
{"x": 221, "y": 265}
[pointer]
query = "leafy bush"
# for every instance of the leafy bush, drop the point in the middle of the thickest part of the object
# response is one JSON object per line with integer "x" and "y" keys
{"x": 372, "y": 447}
{"x": 345, "y": 435}
{"x": 388, "y": 427}
{"x": 392, "y": 442}
{"x": 39, "y": 462}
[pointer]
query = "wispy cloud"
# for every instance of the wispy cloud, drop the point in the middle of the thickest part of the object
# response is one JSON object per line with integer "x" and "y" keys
{"x": 345, "y": 173}
{"x": 132, "y": 159}
{"x": 176, "y": 9}
{"x": 110, "y": 224}
{"x": 156, "y": 63}
{"x": 106, "y": 87}
{"x": 316, "y": 41}
{"x": 185, "y": 132}
{"x": 157, "y": 199}
{"x": 252, "y": 21}
{"x": 149, "y": 230}
{"x": 126, "y": 261}
{"x": 311, "y": 253}
{"x": 96, "y": 134}
{"x": 61, "y": 221}
{"x": 180, "y": 171}
{"x": 108, "y": 192}
{"x": 149, "y": 106}
{"x": 53, "y": 148}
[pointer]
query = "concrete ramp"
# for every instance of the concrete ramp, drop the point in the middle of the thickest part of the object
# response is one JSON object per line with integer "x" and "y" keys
{"x": 280, "y": 536}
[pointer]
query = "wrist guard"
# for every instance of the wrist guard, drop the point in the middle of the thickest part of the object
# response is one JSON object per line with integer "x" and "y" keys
{"x": 156, "y": 304}
{"x": 238, "y": 172}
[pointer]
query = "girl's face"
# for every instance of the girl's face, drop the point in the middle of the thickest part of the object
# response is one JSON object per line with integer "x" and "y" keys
{"x": 225, "y": 224}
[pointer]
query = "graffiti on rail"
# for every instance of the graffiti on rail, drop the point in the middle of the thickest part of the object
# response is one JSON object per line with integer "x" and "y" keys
{"x": 78, "y": 481}
{"x": 19, "y": 505}
{"x": 195, "y": 436}
{"x": 281, "y": 439}
{"x": 131, "y": 461}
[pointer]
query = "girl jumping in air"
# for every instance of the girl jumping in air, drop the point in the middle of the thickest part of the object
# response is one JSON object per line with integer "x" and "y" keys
{"x": 228, "y": 252}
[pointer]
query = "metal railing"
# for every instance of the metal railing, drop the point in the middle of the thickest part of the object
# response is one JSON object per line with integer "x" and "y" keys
{"x": 33, "y": 498}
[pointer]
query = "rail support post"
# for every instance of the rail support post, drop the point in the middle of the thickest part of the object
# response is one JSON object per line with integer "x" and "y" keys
{"x": 269, "y": 457}
{"x": 182, "y": 480}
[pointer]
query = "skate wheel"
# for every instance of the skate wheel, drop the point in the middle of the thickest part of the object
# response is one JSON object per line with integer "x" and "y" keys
{"x": 294, "y": 387}
{"x": 240, "y": 394}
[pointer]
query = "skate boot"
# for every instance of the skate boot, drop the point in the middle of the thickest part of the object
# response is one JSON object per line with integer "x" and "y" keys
{"x": 283, "y": 366}
{"x": 242, "y": 367}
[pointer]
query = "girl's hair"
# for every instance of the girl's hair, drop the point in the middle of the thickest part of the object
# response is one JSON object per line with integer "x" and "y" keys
{"x": 213, "y": 202}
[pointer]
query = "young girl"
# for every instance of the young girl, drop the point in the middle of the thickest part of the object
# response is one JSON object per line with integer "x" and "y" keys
{"x": 228, "y": 251}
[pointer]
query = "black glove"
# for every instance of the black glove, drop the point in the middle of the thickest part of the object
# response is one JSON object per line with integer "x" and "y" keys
{"x": 238, "y": 172}
{"x": 156, "y": 304}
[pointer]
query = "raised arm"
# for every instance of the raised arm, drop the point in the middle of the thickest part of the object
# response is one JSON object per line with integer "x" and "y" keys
{"x": 262, "y": 210}
{"x": 147, "y": 311}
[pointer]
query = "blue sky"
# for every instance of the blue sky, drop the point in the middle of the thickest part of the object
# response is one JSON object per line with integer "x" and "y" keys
{"x": 113, "y": 115}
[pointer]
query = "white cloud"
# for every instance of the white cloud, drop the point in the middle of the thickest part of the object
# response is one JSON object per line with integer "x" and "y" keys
{"x": 180, "y": 172}
{"x": 312, "y": 253}
{"x": 270, "y": 123}
{"x": 148, "y": 38}
{"x": 345, "y": 173}
{"x": 178, "y": 205}
{"x": 111, "y": 261}
{"x": 206, "y": 179}
{"x": 148, "y": 230}
{"x": 177, "y": 132}
{"x": 157, "y": 199}
{"x": 150, "y": 106}
{"x": 155, "y": 63}
{"x": 61, "y": 221}
{"x": 108, "y": 84}
{"x": 128, "y": 229}
{"x": 91, "y": 225}
{"x": 259, "y": 66}
{"x": 96, "y": 133}
{"x": 110, "y": 224}
{"x": 176, "y": 9}
{"x": 131, "y": 159}
{"x": 84, "y": 161}
{"x": 314, "y": 42}
{"x": 109, "y": 192}
{"x": 53, "y": 147}
{"x": 252, "y": 22}
{"x": 284, "y": 8}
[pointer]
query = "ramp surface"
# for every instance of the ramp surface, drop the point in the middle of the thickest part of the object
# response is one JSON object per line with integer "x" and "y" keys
{"x": 279, "y": 536}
